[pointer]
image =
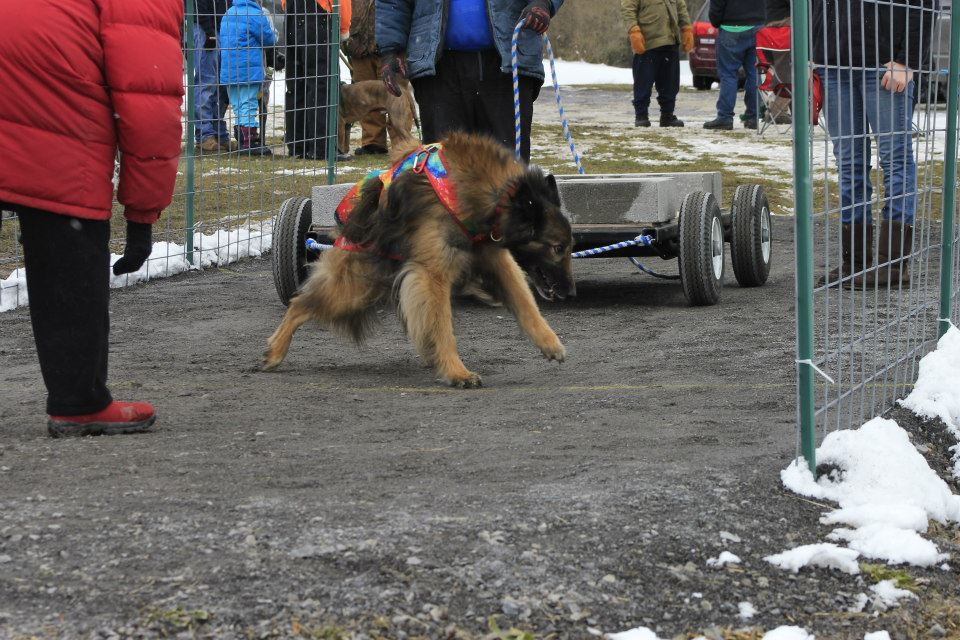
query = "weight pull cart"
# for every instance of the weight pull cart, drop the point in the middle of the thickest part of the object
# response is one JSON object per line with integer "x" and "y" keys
{"x": 664, "y": 215}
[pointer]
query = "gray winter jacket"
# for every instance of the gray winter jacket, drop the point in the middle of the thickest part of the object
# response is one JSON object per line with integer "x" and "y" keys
{"x": 417, "y": 27}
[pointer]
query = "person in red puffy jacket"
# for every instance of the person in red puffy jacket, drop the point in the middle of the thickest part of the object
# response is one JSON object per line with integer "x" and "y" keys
{"x": 83, "y": 79}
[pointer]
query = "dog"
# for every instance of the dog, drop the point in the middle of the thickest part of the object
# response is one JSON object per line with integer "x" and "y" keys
{"x": 403, "y": 242}
{"x": 359, "y": 99}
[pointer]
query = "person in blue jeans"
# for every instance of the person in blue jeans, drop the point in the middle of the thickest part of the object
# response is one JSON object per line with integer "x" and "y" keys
{"x": 244, "y": 32}
{"x": 867, "y": 69}
{"x": 737, "y": 22}
{"x": 211, "y": 97}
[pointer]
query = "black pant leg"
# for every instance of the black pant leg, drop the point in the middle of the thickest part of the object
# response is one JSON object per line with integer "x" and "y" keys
{"x": 68, "y": 283}
{"x": 668, "y": 78}
{"x": 441, "y": 101}
{"x": 495, "y": 97}
{"x": 644, "y": 75}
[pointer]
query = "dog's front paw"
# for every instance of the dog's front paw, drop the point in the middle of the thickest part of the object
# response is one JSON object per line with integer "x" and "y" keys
{"x": 468, "y": 380}
{"x": 270, "y": 360}
{"x": 554, "y": 351}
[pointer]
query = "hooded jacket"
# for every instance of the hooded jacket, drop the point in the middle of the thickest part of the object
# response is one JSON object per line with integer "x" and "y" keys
{"x": 82, "y": 79}
{"x": 418, "y": 27}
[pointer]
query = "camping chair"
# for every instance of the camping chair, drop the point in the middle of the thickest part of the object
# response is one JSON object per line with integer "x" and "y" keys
{"x": 774, "y": 87}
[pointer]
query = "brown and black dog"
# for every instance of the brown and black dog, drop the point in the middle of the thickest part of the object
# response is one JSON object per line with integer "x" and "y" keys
{"x": 516, "y": 206}
{"x": 359, "y": 99}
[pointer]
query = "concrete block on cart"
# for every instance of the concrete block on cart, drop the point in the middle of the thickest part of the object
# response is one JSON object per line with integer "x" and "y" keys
{"x": 686, "y": 182}
{"x": 325, "y": 200}
{"x": 614, "y": 199}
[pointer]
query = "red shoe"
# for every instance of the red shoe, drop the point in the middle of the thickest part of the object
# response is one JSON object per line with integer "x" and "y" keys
{"x": 116, "y": 418}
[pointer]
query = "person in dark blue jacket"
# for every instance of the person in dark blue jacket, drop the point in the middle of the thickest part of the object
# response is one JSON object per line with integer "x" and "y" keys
{"x": 244, "y": 32}
{"x": 457, "y": 55}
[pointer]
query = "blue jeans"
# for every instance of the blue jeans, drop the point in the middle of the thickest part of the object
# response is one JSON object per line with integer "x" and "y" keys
{"x": 855, "y": 105}
{"x": 660, "y": 66}
{"x": 211, "y": 96}
{"x": 246, "y": 107}
{"x": 735, "y": 50}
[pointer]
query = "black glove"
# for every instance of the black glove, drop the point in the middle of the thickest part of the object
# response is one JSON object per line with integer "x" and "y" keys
{"x": 210, "y": 42}
{"x": 392, "y": 71}
{"x": 139, "y": 246}
{"x": 536, "y": 16}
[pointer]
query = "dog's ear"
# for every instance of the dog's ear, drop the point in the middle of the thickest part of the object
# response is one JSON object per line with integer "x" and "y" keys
{"x": 554, "y": 190}
{"x": 524, "y": 215}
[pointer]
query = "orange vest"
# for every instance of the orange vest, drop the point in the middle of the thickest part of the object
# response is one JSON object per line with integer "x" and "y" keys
{"x": 346, "y": 13}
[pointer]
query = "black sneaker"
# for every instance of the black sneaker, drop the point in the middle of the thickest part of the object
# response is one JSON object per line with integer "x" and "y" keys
{"x": 370, "y": 150}
{"x": 670, "y": 120}
{"x": 642, "y": 122}
{"x": 749, "y": 123}
{"x": 717, "y": 123}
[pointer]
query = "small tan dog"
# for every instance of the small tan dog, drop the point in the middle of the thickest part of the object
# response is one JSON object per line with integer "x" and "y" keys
{"x": 370, "y": 96}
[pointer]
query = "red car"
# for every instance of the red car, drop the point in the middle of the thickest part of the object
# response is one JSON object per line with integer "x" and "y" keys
{"x": 703, "y": 56}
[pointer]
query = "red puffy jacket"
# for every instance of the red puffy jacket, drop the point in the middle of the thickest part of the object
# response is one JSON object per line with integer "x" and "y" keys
{"x": 79, "y": 79}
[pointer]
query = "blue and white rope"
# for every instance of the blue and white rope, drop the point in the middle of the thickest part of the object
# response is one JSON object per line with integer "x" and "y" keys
{"x": 515, "y": 68}
{"x": 316, "y": 247}
{"x": 639, "y": 241}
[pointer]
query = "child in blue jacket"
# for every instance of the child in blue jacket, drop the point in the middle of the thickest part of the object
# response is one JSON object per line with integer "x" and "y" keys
{"x": 244, "y": 32}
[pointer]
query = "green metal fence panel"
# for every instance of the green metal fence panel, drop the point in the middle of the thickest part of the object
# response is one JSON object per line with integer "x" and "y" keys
{"x": 875, "y": 202}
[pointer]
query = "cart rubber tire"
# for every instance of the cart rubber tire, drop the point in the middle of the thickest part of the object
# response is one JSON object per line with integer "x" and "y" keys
{"x": 701, "y": 249}
{"x": 288, "y": 250}
{"x": 751, "y": 235}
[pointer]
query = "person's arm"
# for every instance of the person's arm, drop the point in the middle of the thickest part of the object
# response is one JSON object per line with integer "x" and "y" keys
{"x": 268, "y": 37}
{"x": 683, "y": 16}
{"x": 913, "y": 48}
{"x": 143, "y": 68}
{"x": 629, "y": 10}
{"x": 393, "y": 18}
{"x": 717, "y": 9}
{"x": 346, "y": 15}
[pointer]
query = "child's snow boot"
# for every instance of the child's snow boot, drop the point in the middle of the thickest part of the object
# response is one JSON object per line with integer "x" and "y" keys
{"x": 116, "y": 418}
{"x": 250, "y": 143}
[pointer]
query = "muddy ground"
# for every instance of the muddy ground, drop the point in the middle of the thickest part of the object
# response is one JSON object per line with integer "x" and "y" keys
{"x": 348, "y": 494}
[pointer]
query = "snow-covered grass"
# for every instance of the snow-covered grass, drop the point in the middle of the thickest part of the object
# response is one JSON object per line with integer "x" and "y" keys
{"x": 886, "y": 492}
{"x": 887, "y": 595}
{"x": 166, "y": 259}
{"x": 937, "y": 391}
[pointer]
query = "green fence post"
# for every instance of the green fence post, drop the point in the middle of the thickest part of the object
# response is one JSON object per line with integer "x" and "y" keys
{"x": 334, "y": 92}
{"x": 949, "y": 174}
{"x": 189, "y": 192}
{"x": 803, "y": 229}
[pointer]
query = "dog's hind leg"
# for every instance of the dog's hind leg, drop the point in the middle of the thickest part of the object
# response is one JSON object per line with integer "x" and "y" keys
{"x": 341, "y": 293}
{"x": 519, "y": 299}
{"x": 424, "y": 302}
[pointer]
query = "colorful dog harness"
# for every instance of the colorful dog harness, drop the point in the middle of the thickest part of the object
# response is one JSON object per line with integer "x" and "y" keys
{"x": 428, "y": 160}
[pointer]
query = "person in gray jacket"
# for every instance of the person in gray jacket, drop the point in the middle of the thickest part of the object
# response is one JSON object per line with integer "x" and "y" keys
{"x": 456, "y": 53}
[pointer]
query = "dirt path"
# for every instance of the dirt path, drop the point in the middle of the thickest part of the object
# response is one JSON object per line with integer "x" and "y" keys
{"x": 348, "y": 490}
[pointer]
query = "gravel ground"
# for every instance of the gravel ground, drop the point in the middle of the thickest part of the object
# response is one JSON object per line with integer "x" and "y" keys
{"x": 349, "y": 493}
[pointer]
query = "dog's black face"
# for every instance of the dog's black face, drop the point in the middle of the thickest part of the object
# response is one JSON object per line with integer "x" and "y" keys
{"x": 539, "y": 237}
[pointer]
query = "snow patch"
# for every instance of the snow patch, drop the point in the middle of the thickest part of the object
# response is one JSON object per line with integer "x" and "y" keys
{"x": 747, "y": 610}
{"x": 788, "y": 633}
{"x": 639, "y": 633}
{"x": 885, "y": 489}
{"x": 823, "y": 554}
{"x": 876, "y": 635}
{"x": 725, "y": 558}
{"x": 887, "y": 595}
{"x": 166, "y": 259}
{"x": 937, "y": 391}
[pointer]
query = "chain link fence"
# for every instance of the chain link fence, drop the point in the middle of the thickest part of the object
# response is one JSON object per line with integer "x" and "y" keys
{"x": 259, "y": 126}
{"x": 876, "y": 269}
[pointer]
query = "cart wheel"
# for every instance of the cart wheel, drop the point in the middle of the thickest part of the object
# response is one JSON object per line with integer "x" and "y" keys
{"x": 701, "y": 248}
{"x": 288, "y": 248}
{"x": 751, "y": 236}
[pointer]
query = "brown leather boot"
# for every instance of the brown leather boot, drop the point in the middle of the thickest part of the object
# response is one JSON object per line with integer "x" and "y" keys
{"x": 856, "y": 247}
{"x": 893, "y": 255}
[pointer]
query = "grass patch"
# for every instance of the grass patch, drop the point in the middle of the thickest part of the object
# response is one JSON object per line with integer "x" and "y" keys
{"x": 881, "y": 572}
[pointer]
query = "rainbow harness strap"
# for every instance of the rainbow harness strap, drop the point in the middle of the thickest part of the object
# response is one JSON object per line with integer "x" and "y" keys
{"x": 429, "y": 160}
